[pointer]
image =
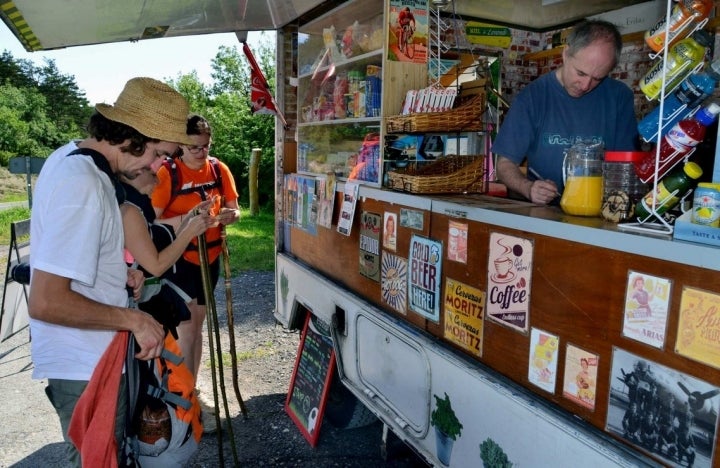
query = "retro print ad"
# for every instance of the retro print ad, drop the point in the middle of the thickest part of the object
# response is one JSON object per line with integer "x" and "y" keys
{"x": 580, "y": 376}
{"x": 370, "y": 245}
{"x": 509, "y": 275}
{"x": 393, "y": 283}
{"x": 542, "y": 368}
{"x": 698, "y": 334}
{"x": 425, "y": 265}
{"x": 464, "y": 307}
{"x": 646, "y": 308}
{"x": 663, "y": 411}
{"x": 408, "y": 31}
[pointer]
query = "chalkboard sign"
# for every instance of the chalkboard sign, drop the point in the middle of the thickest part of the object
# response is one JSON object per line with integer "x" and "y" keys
{"x": 310, "y": 382}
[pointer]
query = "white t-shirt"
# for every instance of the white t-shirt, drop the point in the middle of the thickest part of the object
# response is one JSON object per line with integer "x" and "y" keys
{"x": 76, "y": 232}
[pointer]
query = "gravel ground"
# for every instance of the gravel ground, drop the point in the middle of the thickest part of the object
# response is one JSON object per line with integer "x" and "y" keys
{"x": 30, "y": 433}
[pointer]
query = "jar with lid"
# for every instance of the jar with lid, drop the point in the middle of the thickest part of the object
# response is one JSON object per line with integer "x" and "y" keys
{"x": 670, "y": 189}
{"x": 706, "y": 205}
{"x": 622, "y": 188}
{"x": 582, "y": 176}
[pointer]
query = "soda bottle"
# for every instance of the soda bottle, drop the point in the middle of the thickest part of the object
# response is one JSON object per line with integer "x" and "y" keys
{"x": 691, "y": 93}
{"x": 682, "y": 14}
{"x": 682, "y": 58}
{"x": 669, "y": 191}
{"x": 683, "y": 137}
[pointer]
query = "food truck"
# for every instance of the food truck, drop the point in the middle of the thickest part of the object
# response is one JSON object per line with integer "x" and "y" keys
{"x": 480, "y": 329}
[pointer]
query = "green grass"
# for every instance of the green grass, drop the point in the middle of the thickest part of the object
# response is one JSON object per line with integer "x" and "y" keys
{"x": 6, "y": 218}
{"x": 251, "y": 241}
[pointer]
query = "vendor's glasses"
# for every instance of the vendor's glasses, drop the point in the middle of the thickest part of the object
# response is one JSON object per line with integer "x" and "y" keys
{"x": 197, "y": 149}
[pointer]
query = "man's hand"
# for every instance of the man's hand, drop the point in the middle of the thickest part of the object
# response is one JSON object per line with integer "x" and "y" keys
{"x": 543, "y": 192}
{"x": 149, "y": 335}
{"x": 135, "y": 281}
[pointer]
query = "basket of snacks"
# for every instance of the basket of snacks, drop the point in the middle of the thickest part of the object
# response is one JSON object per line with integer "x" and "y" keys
{"x": 449, "y": 174}
{"x": 463, "y": 118}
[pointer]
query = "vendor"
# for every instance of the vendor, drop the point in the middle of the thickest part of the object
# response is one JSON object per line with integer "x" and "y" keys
{"x": 575, "y": 102}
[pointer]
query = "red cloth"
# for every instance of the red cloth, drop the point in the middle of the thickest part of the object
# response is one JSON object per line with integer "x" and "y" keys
{"x": 92, "y": 427}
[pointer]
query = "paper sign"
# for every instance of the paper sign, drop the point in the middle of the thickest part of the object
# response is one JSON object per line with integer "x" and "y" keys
{"x": 347, "y": 211}
{"x": 542, "y": 368}
{"x": 457, "y": 241}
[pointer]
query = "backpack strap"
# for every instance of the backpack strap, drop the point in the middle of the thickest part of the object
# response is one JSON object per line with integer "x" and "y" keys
{"x": 176, "y": 188}
{"x": 102, "y": 163}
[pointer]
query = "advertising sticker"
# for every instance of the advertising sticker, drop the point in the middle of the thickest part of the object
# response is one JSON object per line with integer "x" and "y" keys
{"x": 464, "y": 307}
{"x": 509, "y": 275}
{"x": 425, "y": 265}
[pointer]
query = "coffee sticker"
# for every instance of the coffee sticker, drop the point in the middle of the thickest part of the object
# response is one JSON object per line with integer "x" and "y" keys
{"x": 509, "y": 275}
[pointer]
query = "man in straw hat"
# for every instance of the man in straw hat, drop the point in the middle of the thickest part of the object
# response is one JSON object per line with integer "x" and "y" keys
{"x": 78, "y": 297}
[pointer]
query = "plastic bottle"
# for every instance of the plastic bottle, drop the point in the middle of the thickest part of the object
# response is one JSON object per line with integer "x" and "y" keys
{"x": 691, "y": 93}
{"x": 669, "y": 190}
{"x": 682, "y": 14}
{"x": 682, "y": 58}
{"x": 683, "y": 137}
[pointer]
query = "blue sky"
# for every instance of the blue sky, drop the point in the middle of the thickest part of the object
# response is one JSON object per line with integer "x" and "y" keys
{"x": 102, "y": 70}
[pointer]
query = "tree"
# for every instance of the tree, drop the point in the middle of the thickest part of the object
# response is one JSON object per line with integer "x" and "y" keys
{"x": 226, "y": 104}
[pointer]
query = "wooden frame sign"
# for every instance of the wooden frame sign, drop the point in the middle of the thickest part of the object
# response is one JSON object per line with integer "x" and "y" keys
{"x": 310, "y": 382}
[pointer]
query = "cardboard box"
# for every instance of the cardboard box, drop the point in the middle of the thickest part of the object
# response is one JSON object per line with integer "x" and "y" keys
{"x": 686, "y": 230}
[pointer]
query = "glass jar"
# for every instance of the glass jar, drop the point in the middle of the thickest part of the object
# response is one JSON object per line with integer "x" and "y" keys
{"x": 622, "y": 188}
{"x": 582, "y": 176}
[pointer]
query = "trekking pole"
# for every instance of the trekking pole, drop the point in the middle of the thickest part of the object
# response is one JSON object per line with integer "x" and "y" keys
{"x": 213, "y": 326}
{"x": 231, "y": 319}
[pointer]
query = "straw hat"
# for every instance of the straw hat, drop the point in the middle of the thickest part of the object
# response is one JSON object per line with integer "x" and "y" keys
{"x": 152, "y": 108}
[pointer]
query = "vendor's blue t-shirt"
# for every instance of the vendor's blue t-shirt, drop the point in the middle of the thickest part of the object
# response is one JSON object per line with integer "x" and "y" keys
{"x": 544, "y": 120}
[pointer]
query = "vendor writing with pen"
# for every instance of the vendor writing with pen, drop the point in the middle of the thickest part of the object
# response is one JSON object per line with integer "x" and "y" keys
{"x": 576, "y": 102}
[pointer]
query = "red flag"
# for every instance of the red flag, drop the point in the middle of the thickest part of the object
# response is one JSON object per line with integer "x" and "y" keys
{"x": 260, "y": 97}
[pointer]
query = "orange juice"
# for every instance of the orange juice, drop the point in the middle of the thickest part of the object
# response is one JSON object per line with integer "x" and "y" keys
{"x": 582, "y": 196}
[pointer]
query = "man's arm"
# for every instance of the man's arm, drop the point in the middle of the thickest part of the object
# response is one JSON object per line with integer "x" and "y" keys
{"x": 53, "y": 301}
{"x": 541, "y": 192}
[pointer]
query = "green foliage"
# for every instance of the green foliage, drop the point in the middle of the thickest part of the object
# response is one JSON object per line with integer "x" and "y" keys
{"x": 443, "y": 418}
{"x": 493, "y": 455}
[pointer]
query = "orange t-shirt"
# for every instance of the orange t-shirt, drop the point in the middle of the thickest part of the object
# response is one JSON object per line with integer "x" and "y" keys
{"x": 183, "y": 203}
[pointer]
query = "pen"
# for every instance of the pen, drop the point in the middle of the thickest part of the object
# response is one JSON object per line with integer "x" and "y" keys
{"x": 539, "y": 177}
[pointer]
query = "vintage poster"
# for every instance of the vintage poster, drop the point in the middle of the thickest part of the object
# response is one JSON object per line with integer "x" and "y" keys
{"x": 425, "y": 265}
{"x": 666, "y": 412}
{"x": 393, "y": 285}
{"x": 390, "y": 231}
{"x": 464, "y": 306}
{"x": 698, "y": 335}
{"x": 370, "y": 245}
{"x": 509, "y": 275}
{"x": 542, "y": 363}
{"x": 347, "y": 211}
{"x": 646, "y": 308}
{"x": 580, "y": 376}
{"x": 457, "y": 241}
{"x": 412, "y": 219}
{"x": 326, "y": 199}
{"x": 408, "y": 31}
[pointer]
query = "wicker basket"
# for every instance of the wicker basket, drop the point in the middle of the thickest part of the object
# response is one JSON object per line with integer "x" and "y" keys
{"x": 450, "y": 174}
{"x": 465, "y": 118}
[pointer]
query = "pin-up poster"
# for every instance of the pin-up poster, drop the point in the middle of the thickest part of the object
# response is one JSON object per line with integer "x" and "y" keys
{"x": 425, "y": 269}
{"x": 347, "y": 211}
{"x": 646, "y": 308}
{"x": 370, "y": 245}
{"x": 457, "y": 241}
{"x": 464, "y": 307}
{"x": 390, "y": 231}
{"x": 393, "y": 283}
{"x": 580, "y": 376}
{"x": 698, "y": 335}
{"x": 509, "y": 275}
{"x": 542, "y": 368}
{"x": 408, "y": 31}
